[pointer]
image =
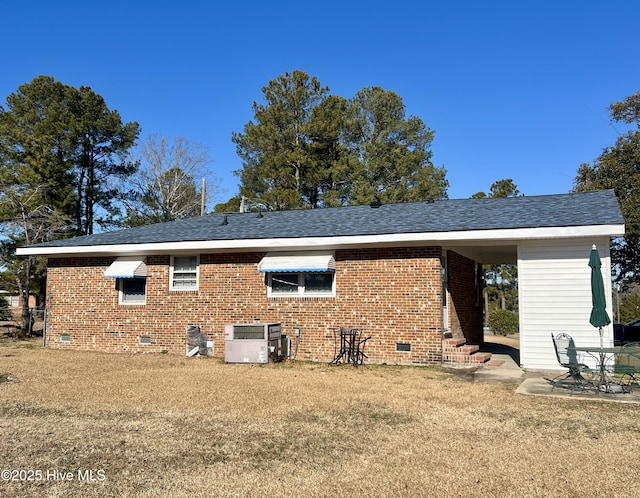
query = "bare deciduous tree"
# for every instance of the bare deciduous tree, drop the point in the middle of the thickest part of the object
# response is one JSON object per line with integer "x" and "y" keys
{"x": 26, "y": 219}
{"x": 169, "y": 184}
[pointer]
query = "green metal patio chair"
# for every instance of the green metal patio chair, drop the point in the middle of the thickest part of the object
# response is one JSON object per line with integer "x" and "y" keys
{"x": 627, "y": 364}
{"x": 578, "y": 376}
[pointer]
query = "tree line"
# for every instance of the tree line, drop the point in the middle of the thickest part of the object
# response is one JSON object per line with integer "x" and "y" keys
{"x": 70, "y": 166}
{"x": 307, "y": 148}
{"x": 618, "y": 168}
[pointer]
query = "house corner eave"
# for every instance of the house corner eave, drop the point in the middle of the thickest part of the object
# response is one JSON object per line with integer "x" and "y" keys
{"x": 327, "y": 243}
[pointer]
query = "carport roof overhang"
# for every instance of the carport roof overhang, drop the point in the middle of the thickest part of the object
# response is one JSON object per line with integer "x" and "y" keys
{"x": 484, "y": 246}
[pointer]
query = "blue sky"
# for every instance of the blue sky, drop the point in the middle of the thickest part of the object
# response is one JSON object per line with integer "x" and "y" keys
{"x": 512, "y": 89}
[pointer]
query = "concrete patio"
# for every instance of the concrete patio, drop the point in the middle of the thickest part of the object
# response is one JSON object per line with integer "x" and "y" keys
{"x": 504, "y": 367}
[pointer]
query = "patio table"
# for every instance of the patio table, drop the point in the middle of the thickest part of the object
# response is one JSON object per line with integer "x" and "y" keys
{"x": 352, "y": 343}
{"x": 605, "y": 366}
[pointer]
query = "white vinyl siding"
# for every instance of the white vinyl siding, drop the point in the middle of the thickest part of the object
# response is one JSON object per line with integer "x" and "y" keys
{"x": 554, "y": 289}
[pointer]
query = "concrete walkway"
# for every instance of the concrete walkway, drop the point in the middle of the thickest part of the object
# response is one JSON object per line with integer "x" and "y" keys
{"x": 504, "y": 365}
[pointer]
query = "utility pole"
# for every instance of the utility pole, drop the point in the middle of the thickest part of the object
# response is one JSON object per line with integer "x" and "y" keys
{"x": 204, "y": 190}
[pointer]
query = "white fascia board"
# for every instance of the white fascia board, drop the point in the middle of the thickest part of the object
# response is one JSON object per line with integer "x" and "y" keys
{"x": 237, "y": 245}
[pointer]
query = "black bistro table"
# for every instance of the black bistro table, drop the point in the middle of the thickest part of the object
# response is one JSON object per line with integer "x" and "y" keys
{"x": 352, "y": 342}
{"x": 605, "y": 368}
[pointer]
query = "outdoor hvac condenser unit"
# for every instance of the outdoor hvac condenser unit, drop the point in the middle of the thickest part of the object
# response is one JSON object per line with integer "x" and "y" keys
{"x": 252, "y": 342}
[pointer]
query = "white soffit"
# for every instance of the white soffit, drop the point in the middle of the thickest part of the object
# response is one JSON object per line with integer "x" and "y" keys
{"x": 127, "y": 268}
{"x": 297, "y": 262}
{"x": 433, "y": 238}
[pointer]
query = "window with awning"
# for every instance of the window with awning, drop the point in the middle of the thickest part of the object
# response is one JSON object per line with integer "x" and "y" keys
{"x": 132, "y": 290}
{"x": 126, "y": 267}
{"x": 299, "y": 274}
{"x": 276, "y": 262}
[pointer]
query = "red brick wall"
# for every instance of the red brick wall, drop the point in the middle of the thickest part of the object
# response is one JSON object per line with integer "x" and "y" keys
{"x": 465, "y": 302}
{"x": 394, "y": 294}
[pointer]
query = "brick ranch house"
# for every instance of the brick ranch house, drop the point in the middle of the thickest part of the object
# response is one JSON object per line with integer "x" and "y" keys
{"x": 409, "y": 274}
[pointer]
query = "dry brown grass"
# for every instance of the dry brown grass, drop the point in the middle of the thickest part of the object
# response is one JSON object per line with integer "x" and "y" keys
{"x": 161, "y": 425}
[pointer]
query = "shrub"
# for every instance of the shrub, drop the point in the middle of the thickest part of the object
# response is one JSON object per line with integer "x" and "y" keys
{"x": 629, "y": 308}
{"x": 503, "y": 322}
{"x": 5, "y": 314}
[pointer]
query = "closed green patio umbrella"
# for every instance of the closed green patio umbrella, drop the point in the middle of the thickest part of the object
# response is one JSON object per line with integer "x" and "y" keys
{"x": 599, "y": 317}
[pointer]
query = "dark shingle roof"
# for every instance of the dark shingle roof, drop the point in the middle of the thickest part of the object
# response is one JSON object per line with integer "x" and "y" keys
{"x": 561, "y": 210}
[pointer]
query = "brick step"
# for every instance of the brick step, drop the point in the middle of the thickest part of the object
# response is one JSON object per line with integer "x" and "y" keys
{"x": 465, "y": 349}
{"x": 456, "y": 351}
{"x": 466, "y": 359}
{"x": 480, "y": 357}
{"x": 454, "y": 342}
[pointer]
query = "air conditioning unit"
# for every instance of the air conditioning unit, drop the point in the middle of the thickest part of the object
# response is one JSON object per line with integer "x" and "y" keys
{"x": 252, "y": 342}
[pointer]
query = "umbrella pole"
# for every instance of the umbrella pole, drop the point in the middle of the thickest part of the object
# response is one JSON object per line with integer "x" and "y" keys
{"x": 600, "y": 330}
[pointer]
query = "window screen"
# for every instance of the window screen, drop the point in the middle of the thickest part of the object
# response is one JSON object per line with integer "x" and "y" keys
{"x": 283, "y": 283}
{"x": 318, "y": 282}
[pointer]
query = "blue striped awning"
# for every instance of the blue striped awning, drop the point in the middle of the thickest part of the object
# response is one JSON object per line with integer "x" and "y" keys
{"x": 126, "y": 267}
{"x": 282, "y": 262}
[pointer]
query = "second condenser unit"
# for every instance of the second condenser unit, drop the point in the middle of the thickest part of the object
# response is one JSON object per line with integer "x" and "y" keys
{"x": 252, "y": 342}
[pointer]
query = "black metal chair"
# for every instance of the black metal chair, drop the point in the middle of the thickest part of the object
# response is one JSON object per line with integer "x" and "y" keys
{"x": 578, "y": 376}
{"x": 627, "y": 364}
{"x": 360, "y": 354}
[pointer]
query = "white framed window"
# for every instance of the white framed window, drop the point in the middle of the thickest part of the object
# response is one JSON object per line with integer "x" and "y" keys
{"x": 301, "y": 284}
{"x": 12, "y": 301}
{"x": 132, "y": 291}
{"x": 184, "y": 273}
